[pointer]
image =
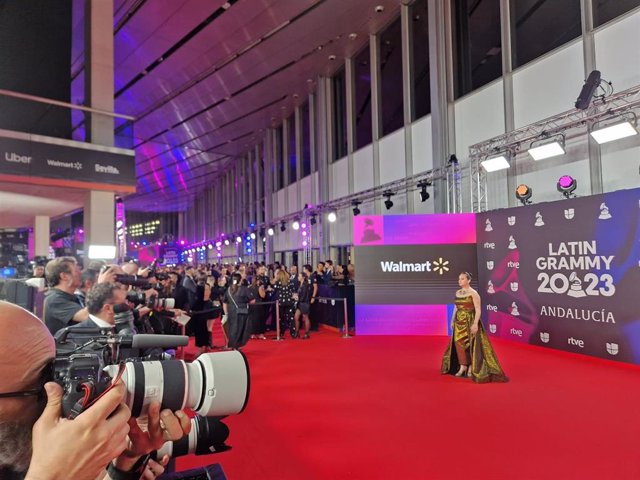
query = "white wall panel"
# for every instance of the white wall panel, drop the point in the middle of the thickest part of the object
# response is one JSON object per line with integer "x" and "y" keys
{"x": 305, "y": 191}
{"x": 282, "y": 208}
{"x": 392, "y": 162}
{"x": 618, "y": 52}
{"x": 548, "y": 86}
{"x": 363, "y": 169}
{"x": 340, "y": 231}
{"x": 479, "y": 116}
{"x": 315, "y": 181}
{"x": 292, "y": 198}
{"x": 620, "y": 164}
{"x": 340, "y": 179}
{"x": 422, "y": 145}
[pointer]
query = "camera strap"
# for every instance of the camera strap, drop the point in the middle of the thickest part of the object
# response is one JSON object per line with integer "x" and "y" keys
{"x": 89, "y": 391}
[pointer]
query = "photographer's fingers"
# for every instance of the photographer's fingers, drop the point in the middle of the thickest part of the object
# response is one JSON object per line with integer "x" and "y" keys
{"x": 185, "y": 422}
{"x": 172, "y": 428}
{"x": 106, "y": 405}
{"x": 154, "y": 426}
{"x": 53, "y": 409}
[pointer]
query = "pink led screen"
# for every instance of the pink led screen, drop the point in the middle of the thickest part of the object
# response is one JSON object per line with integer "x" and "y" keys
{"x": 407, "y": 270}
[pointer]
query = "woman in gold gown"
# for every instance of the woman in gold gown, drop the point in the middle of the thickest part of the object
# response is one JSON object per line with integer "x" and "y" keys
{"x": 470, "y": 352}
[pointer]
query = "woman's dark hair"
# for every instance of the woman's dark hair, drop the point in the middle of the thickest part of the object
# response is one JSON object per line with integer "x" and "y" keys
{"x": 236, "y": 279}
{"x": 467, "y": 274}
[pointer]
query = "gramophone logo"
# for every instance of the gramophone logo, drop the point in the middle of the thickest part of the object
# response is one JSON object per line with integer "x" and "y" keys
{"x": 569, "y": 213}
{"x": 493, "y": 328}
{"x": 544, "y": 337}
{"x": 511, "y": 220}
{"x": 514, "y": 286}
{"x": 490, "y": 265}
{"x": 612, "y": 348}
{"x": 488, "y": 227}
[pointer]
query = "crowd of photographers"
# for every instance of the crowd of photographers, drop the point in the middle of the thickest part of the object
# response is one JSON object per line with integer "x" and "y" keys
{"x": 105, "y": 441}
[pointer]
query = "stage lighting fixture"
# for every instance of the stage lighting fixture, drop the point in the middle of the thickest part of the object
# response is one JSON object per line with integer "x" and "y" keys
{"x": 226, "y": 241}
{"x": 238, "y": 239}
{"x": 270, "y": 231}
{"x": 210, "y": 246}
{"x": 332, "y": 217}
{"x": 567, "y": 185}
{"x": 523, "y": 193}
{"x": 356, "y": 210}
{"x": 614, "y": 131}
{"x": 262, "y": 232}
{"x": 493, "y": 164}
{"x": 283, "y": 226}
{"x": 253, "y": 236}
{"x": 388, "y": 203}
{"x": 296, "y": 224}
{"x": 547, "y": 148}
{"x": 589, "y": 88}
{"x": 424, "y": 195}
{"x": 313, "y": 220}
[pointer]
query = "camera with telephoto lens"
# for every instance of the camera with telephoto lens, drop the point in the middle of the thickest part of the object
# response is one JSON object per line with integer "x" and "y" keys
{"x": 89, "y": 359}
{"x": 153, "y": 302}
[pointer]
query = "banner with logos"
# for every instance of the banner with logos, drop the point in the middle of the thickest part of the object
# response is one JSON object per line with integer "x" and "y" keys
{"x": 407, "y": 271}
{"x": 564, "y": 274}
{"x": 29, "y": 158}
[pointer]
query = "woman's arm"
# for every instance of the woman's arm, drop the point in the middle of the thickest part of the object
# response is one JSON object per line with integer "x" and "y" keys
{"x": 476, "y": 305}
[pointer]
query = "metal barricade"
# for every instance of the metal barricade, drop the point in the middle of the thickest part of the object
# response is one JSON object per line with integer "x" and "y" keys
{"x": 345, "y": 328}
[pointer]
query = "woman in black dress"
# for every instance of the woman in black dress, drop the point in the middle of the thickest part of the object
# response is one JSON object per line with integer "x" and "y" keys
{"x": 236, "y": 307}
{"x": 284, "y": 294}
{"x": 256, "y": 316}
{"x": 304, "y": 304}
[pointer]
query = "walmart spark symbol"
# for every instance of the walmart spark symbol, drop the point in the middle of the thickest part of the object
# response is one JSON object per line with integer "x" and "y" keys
{"x": 440, "y": 266}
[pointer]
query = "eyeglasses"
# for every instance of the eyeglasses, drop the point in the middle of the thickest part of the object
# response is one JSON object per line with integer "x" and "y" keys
{"x": 46, "y": 375}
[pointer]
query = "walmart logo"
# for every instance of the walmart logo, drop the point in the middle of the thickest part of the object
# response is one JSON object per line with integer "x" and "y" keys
{"x": 441, "y": 266}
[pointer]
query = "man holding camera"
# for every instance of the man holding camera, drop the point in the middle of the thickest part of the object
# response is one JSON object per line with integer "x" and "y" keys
{"x": 61, "y": 306}
{"x": 37, "y": 444}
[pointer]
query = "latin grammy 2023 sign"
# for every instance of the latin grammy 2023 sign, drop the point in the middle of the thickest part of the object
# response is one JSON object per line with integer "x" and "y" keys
{"x": 565, "y": 274}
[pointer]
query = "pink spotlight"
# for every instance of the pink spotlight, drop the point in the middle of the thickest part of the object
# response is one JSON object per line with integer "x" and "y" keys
{"x": 181, "y": 242}
{"x": 304, "y": 233}
{"x": 304, "y": 243}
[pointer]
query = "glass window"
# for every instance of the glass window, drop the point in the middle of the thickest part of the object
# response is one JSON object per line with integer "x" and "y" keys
{"x": 362, "y": 69}
{"x": 540, "y": 26}
{"x": 306, "y": 141}
{"x": 339, "y": 115}
{"x": 477, "y": 44}
{"x": 605, "y": 10}
{"x": 293, "y": 159}
{"x": 391, "y": 78}
{"x": 420, "y": 59}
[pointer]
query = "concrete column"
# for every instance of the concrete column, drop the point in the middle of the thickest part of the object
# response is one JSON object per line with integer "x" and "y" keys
{"x": 99, "y": 219}
{"x": 41, "y": 232}
{"x": 407, "y": 95}
{"x": 376, "y": 120}
{"x": 507, "y": 77}
{"x": 99, "y": 83}
{"x": 99, "y": 210}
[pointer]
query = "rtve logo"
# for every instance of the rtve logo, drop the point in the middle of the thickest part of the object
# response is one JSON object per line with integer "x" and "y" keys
{"x": 490, "y": 245}
{"x": 576, "y": 341}
{"x": 516, "y": 332}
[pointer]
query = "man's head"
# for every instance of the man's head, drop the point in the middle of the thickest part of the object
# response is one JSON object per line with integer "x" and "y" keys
{"x": 21, "y": 367}
{"x": 38, "y": 271}
{"x": 294, "y": 270}
{"x": 63, "y": 273}
{"x": 130, "y": 268}
{"x": 329, "y": 265}
{"x": 88, "y": 279}
{"x": 308, "y": 269}
{"x": 103, "y": 297}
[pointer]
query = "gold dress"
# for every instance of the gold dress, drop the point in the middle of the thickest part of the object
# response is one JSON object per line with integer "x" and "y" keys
{"x": 466, "y": 349}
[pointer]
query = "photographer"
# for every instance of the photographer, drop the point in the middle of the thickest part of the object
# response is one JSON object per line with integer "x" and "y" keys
{"x": 61, "y": 307}
{"x": 33, "y": 437}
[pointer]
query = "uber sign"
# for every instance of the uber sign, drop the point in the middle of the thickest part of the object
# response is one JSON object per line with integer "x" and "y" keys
{"x": 85, "y": 163}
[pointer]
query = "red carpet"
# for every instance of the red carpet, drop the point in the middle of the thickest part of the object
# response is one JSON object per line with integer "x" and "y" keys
{"x": 378, "y": 408}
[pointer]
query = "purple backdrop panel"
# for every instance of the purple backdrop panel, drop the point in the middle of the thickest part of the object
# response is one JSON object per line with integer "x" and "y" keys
{"x": 414, "y": 229}
{"x": 401, "y": 319}
{"x": 564, "y": 274}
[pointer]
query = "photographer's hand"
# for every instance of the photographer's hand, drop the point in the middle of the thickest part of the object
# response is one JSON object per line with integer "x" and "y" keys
{"x": 162, "y": 427}
{"x": 79, "y": 448}
{"x": 109, "y": 276}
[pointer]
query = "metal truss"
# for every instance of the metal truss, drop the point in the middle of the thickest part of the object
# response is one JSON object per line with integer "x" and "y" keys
{"x": 572, "y": 123}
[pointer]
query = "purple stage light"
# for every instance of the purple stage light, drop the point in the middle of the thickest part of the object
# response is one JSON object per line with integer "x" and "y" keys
{"x": 304, "y": 233}
{"x": 181, "y": 242}
{"x": 304, "y": 225}
{"x": 304, "y": 243}
{"x": 566, "y": 181}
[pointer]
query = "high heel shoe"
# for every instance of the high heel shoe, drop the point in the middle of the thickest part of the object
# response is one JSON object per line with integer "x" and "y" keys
{"x": 462, "y": 372}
